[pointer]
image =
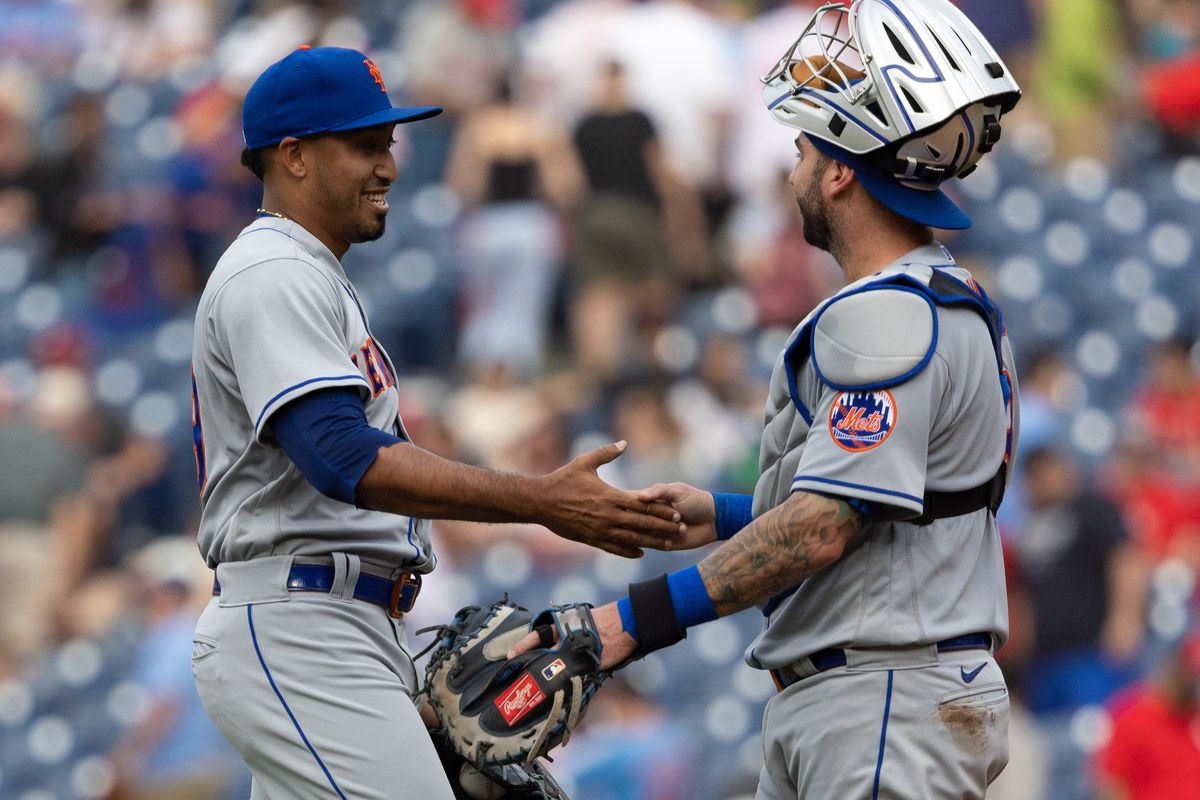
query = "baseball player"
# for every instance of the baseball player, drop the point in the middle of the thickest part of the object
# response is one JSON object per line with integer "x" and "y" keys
{"x": 870, "y": 542}
{"x": 314, "y": 503}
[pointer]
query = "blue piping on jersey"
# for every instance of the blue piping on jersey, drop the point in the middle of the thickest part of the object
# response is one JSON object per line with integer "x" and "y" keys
{"x": 271, "y": 402}
{"x": 849, "y": 485}
{"x": 415, "y": 545}
{"x": 887, "y": 710}
{"x": 883, "y": 384}
{"x": 291, "y": 716}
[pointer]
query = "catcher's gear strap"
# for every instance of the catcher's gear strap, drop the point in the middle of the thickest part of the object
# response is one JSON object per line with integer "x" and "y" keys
{"x": 940, "y": 505}
{"x": 654, "y": 614}
{"x": 873, "y": 337}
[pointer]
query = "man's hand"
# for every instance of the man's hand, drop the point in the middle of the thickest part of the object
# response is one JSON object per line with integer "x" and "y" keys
{"x": 695, "y": 507}
{"x": 579, "y": 506}
{"x": 616, "y": 645}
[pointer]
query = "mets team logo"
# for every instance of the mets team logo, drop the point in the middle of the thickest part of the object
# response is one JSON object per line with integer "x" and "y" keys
{"x": 376, "y": 75}
{"x": 861, "y": 421}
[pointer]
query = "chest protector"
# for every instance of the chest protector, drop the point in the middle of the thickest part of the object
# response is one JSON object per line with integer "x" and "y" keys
{"x": 889, "y": 369}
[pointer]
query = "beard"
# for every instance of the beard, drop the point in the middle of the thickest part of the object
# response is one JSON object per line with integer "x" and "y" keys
{"x": 359, "y": 224}
{"x": 815, "y": 212}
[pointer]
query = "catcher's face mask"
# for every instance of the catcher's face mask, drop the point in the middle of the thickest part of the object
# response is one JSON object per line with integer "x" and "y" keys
{"x": 909, "y": 87}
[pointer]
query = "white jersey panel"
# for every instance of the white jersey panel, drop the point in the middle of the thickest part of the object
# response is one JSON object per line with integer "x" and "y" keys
{"x": 278, "y": 319}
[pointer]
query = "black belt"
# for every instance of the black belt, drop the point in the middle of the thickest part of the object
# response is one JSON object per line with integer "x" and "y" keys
{"x": 397, "y": 596}
{"x": 831, "y": 657}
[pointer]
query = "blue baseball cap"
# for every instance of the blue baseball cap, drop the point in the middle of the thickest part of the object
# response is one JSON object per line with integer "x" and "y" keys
{"x": 927, "y": 206}
{"x": 318, "y": 90}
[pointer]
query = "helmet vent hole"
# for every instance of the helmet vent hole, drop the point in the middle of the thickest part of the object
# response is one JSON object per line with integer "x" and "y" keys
{"x": 896, "y": 43}
{"x": 958, "y": 149}
{"x": 877, "y": 112}
{"x": 912, "y": 101}
{"x": 964, "y": 42}
{"x": 953, "y": 64}
{"x": 933, "y": 151}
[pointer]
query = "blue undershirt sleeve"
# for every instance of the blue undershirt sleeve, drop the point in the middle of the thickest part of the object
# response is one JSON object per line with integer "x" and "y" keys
{"x": 326, "y": 435}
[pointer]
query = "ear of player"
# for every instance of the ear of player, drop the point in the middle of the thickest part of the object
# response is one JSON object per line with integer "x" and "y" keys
{"x": 497, "y": 711}
{"x": 912, "y": 84}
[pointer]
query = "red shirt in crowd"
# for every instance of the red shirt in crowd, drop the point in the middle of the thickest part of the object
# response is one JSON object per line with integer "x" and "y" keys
{"x": 1154, "y": 753}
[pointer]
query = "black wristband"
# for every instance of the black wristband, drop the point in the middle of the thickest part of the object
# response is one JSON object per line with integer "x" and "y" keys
{"x": 654, "y": 614}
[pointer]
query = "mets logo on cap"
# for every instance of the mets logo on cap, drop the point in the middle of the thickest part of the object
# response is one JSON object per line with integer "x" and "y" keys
{"x": 861, "y": 421}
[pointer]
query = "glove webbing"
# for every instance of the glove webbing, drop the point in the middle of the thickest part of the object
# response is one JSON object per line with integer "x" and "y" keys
{"x": 571, "y": 721}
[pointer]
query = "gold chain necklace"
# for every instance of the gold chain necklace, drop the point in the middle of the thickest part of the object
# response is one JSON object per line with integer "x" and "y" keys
{"x": 273, "y": 214}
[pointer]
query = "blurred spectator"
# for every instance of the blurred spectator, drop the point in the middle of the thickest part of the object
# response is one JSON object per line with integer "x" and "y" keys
{"x": 173, "y": 752}
{"x": 515, "y": 172}
{"x": 785, "y": 275}
{"x": 212, "y": 196}
{"x": 633, "y": 210}
{"x": 641, "y": 417}
{"x": 458, "y": 54}
{"x": 1076, "y": 78}
{"x": 1154, "y": 750}
{"x": 564, "y": 56}
{"x": 28, "y": 586}
{"x": 1162, "y": 510}
{"x": 18, "y": 203}
{"x": 1048, "y": 388}
{"x": 1086, "y": 585}
{"x": 65, "y": 180}
{"x": 45, "y": 447}
{"x": 629, "y": 749}
{"x": 1168, "y": 40}
{"x": 1167, "y": 408}
{"x": 718, "y": 414}
{"x": 148, "y": 38}
{"x": 658, "y": 42}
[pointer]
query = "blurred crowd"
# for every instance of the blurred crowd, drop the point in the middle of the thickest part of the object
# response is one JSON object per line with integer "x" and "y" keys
{"x": 596, "y": 241}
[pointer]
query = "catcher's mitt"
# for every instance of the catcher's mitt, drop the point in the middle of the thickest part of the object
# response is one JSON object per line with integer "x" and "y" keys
{"x": 496, "y": 711}
{"x": 508, "y": 781}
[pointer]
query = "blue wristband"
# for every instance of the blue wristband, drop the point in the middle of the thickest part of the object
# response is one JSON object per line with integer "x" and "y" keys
{"x": 733, "y": 512}
{"x": 689, "y": 596}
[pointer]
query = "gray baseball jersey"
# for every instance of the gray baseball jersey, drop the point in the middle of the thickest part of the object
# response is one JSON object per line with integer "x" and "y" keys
{"x": 278, "y": 319}
{"x": 883, "y": 394}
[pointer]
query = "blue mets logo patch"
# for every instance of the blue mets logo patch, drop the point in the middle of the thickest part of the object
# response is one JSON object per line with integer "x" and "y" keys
{"x": 861, "y": 421}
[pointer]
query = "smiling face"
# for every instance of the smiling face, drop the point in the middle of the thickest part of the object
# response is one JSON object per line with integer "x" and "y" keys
{"x": 352, "y": 172}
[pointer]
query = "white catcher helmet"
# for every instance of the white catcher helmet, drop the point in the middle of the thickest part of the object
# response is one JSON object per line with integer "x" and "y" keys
{"x": 909, "y": 85}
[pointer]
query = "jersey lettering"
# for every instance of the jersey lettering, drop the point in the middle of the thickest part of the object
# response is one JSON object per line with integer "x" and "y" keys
{"x": 378, "y": 374}
{"x": 198, "y": 438}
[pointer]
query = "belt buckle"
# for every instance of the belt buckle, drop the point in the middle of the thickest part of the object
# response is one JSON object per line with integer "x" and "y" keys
{"x": 404, "y": 594}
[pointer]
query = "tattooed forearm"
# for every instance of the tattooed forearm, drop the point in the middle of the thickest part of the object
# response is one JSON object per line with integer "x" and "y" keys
{"x": 778, "y": 550}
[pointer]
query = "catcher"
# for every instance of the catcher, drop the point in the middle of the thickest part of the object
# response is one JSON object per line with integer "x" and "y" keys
{"x": 870, "y": 542}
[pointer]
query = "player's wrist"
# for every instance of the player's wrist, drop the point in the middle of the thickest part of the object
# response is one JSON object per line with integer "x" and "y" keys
{"x": 732, "y": 513}
{"x": 658, "y": 612}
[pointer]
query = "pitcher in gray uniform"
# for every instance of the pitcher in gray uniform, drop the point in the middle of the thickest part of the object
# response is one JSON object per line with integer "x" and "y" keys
{"x": 870, "y": 543}
{"x": 314, "y": 503}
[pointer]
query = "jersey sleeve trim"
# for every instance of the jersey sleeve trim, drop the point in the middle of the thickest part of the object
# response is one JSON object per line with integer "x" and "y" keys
{"x": 292, "y": 392}
{"x": 862, "y": 491}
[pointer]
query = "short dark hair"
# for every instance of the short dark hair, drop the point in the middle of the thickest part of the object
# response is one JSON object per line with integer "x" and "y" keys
{"x": 255, "y": 161}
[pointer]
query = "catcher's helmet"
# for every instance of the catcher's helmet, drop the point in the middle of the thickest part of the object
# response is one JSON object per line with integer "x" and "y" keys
{"x": 906, "y": 89}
